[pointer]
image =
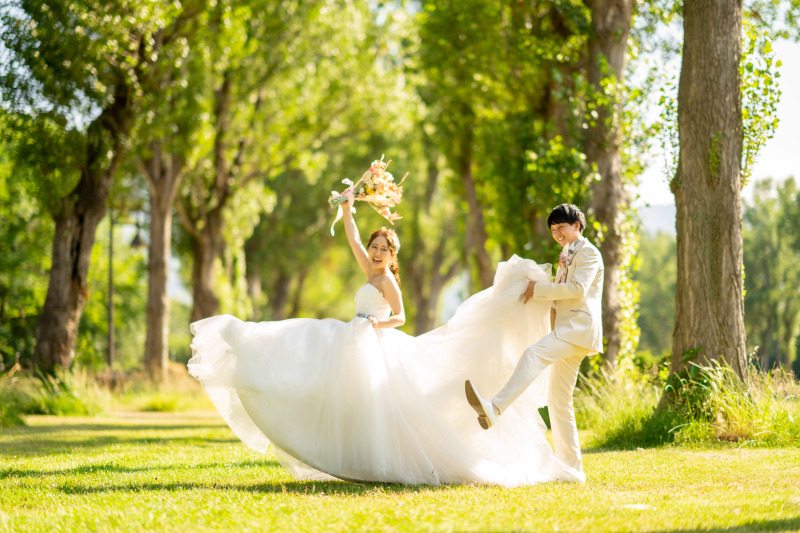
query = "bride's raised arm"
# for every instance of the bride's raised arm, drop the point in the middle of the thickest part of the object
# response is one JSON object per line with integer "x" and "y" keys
{"x": 353, "y": 237}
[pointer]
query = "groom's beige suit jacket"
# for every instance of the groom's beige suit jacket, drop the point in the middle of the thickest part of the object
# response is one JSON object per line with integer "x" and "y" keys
{"x": 578, "y": 300}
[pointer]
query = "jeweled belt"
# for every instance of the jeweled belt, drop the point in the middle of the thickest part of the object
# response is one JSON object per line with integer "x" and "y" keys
{"x": 364, "y": 315}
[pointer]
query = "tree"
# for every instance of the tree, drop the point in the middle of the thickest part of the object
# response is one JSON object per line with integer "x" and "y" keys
{"x": 56, "y": 92}
{"x": 172, "y": 107}
{"x": 503, "y": 103}
{"x": 431, "y": 234}
{"x": 709, "y": 310}
{"x": 274, "y": 99}
{"x": 454, "y": 49}
{"x": 608, "y": 54}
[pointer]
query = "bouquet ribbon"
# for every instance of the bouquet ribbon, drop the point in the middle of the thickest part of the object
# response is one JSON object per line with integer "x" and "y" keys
{"x": 339, "y": 212}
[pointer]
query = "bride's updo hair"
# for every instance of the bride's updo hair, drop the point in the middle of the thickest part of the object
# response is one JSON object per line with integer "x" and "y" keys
{"x": 394, "y": 246}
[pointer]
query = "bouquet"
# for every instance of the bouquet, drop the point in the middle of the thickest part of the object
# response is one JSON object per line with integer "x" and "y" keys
{"x": 376, "y": 187}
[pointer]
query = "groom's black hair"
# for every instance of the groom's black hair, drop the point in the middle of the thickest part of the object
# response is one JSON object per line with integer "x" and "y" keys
{"x": 566, "y": 213}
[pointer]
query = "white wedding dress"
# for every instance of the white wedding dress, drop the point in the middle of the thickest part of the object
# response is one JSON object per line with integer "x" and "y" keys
{"x": 344, "y": 400}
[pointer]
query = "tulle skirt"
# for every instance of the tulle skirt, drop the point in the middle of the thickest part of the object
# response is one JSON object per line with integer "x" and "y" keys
{"x": 343, "y": 400}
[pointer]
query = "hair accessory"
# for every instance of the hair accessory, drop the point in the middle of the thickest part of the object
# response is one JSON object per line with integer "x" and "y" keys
{"x": 396, "y": 242}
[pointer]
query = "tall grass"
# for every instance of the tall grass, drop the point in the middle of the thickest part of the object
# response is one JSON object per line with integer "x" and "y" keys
{"x": 22, "y": 393}
{"x": 619, "y": 408}
{"x": 711, "y": 405}
{"x": 179, "y": 392}
{"x": 10, "y": 400}
{"x": 764, "y": 411}
{"x": 81, "y": 393}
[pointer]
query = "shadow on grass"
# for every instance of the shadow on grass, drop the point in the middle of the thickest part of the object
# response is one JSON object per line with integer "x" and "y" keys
{"x": 38, "y": 441}
{"x": 326, "y": 488}
{"x": 778, "y": 524}
{"x": 113, "y": 468}
{"x": 38, "y": 430}
{"x": 40, "y": 447}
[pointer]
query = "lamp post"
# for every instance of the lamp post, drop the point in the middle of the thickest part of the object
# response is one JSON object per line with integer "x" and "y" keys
{"x": 110, "y": 289}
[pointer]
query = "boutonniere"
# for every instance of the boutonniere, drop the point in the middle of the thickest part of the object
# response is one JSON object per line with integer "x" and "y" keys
{"x": 562, "y": 260}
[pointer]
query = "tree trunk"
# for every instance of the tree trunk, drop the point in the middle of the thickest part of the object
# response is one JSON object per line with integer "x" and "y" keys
{"x": 476, "y": 222}
{"x": 253, "y": 288}
{"x": 301, "y": 276}
{"x": 428, "y": 280}
{"x": 208, "y": 246}
{"x": 279, "y": 296}
{"x": 425, "y": 282}
{"x": 206, "y": 226}
{"x": 766, "y": 346}
{"x": 163, "y": 178}
{"x": 75, "y": 228}
{"x": 110, "y": 302}
{"x": 709, "y": 308}
{"x": 608, "y": 53}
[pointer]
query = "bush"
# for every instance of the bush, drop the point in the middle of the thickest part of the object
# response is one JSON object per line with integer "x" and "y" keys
{"x": 710, "y": 406}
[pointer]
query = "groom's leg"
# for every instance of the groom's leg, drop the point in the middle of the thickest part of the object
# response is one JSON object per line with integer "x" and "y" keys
{"x": 562, "y": 414}
{"x": 533, "y": 361}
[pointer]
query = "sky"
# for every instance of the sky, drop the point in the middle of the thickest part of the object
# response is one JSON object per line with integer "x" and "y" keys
{"x": 778, "y": 159}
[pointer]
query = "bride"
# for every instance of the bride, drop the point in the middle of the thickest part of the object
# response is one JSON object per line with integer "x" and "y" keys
{"x": 362, "y": 401}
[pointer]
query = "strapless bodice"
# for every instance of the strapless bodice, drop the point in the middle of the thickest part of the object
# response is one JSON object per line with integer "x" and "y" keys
{"x": 370, "y": 302}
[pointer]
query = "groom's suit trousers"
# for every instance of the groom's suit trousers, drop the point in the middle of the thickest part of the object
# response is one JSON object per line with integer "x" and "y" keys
{"x": 565, "y": 359}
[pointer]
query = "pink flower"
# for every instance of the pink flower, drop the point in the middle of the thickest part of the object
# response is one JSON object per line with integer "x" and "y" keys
{"x": 562, "y": 260}
{"x": 379, "y": 190}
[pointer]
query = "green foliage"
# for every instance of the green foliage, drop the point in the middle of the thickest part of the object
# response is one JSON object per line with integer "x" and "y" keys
{"x": 26, "y": 231}
{"x": 46, "y": 157}
{"x": 760, "y": 95}
{"x": 628, "y": 290}
{"x": 498, "y": 68}
{"x": 668, "y": 134}
{"x": 291, "y": 93}
{"x": 655, "y": 279}
{"x": 46, "y": 73}
{"x": 772, "y": 262}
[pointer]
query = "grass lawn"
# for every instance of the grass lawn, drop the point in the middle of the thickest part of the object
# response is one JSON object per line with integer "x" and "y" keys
{"x": 187, "y": 472}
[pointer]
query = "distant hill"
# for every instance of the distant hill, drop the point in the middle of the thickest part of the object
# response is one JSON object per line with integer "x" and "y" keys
{"x": 658, "y": 218}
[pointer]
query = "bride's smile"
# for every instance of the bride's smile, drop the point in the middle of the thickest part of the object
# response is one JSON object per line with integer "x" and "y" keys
{"x": 379, "y": 252}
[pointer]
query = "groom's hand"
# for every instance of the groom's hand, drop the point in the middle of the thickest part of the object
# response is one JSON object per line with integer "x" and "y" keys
{"x": 528, "y": 294}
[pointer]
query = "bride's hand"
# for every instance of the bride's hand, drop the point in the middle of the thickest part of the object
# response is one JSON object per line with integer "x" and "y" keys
{"x": 373, "y": 321}
{"x": 349, "y": 194}
{"x": 528, "y": 294}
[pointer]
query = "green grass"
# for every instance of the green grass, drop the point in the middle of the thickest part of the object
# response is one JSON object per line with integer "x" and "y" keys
{"x": 712, "y": 406}
{"x": 187, "y": 472}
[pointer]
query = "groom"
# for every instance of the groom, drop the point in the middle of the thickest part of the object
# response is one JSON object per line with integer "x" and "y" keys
{"x": 577, "y": 332}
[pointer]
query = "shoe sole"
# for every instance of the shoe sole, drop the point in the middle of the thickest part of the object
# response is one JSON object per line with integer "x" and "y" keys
{"x": 475, "y": 403}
